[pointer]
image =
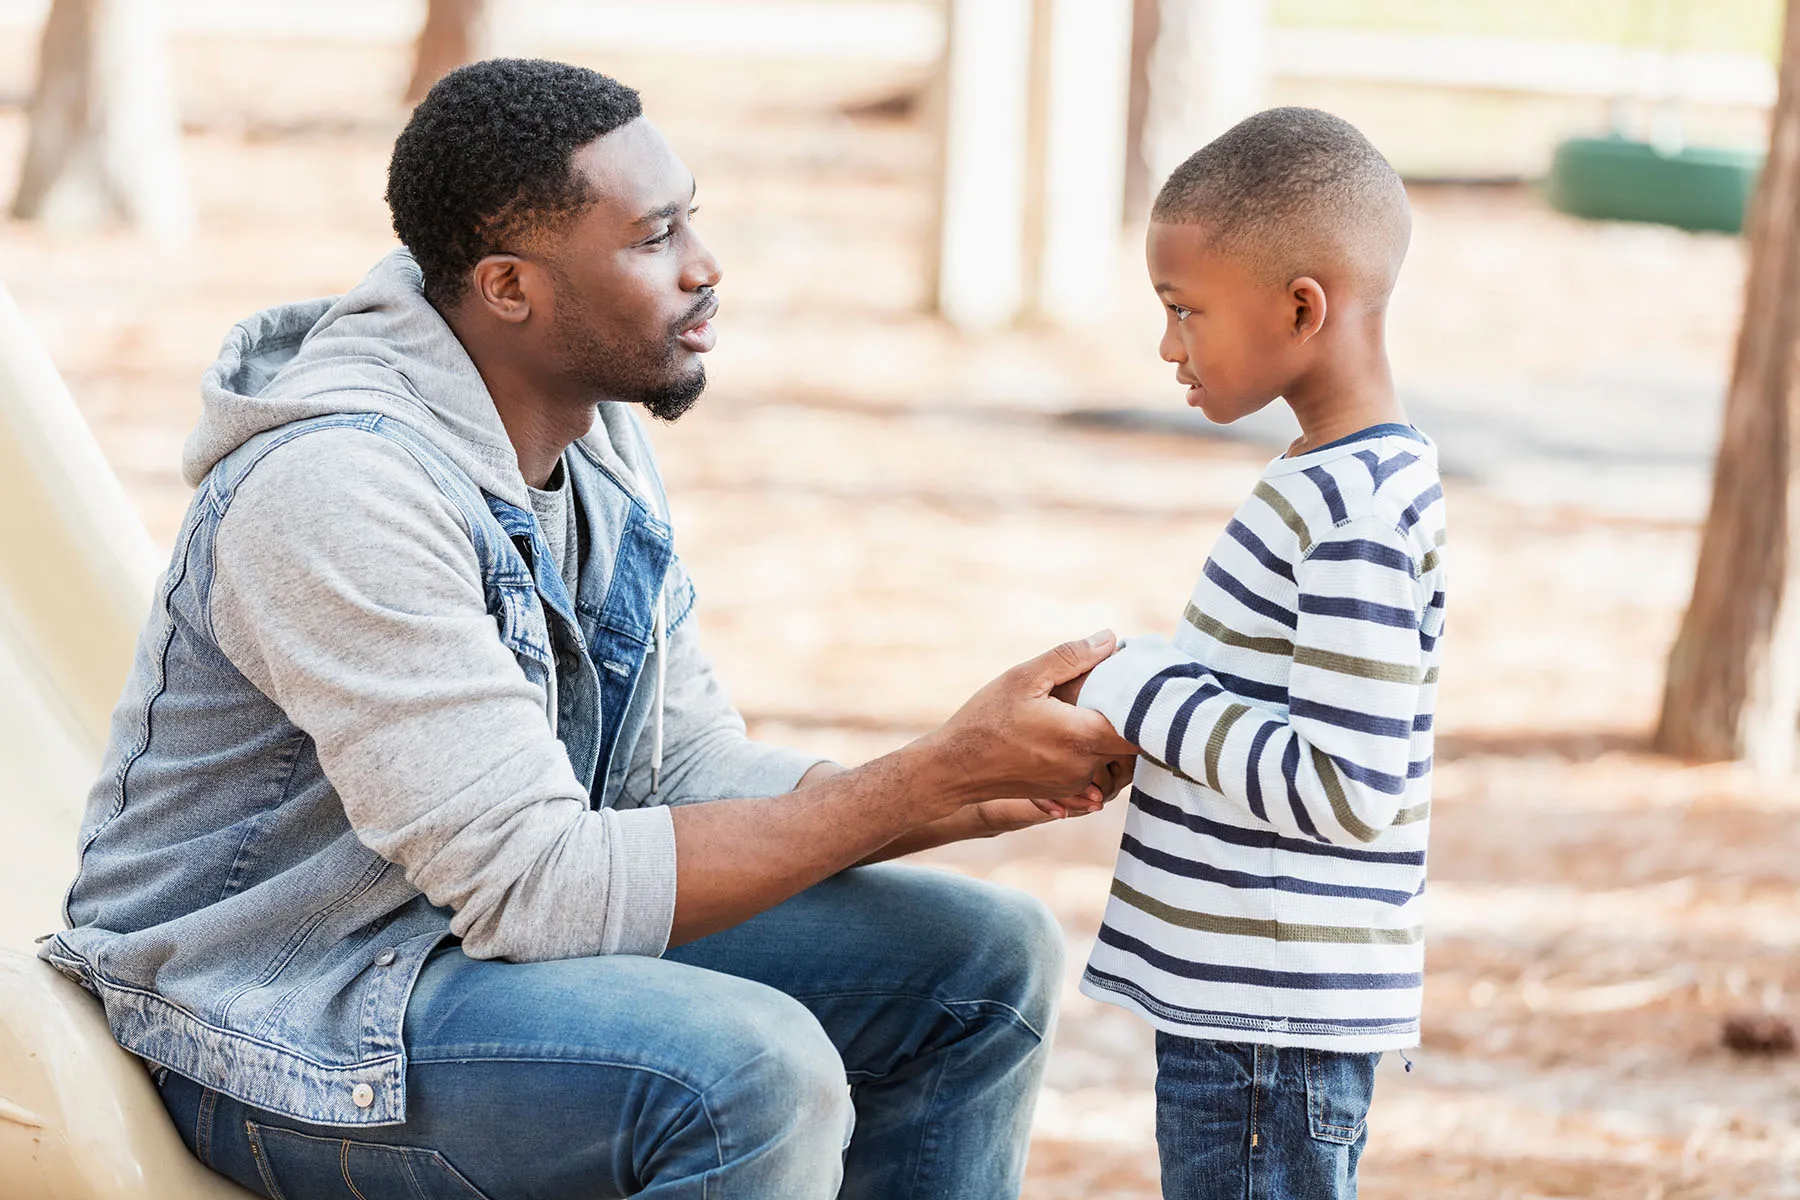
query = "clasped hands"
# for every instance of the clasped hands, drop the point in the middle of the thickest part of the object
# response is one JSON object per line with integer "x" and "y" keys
{"x": 1029, "y": 752}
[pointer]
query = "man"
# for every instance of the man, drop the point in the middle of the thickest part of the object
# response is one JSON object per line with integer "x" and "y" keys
{"x": 429, "y": 859}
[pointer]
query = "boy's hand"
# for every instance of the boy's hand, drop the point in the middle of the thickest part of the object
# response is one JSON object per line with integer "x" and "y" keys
{"x": 1112, "y": 777}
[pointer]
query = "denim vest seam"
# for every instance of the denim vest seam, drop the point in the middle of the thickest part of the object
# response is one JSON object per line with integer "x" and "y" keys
{"x": 146, "y": 715}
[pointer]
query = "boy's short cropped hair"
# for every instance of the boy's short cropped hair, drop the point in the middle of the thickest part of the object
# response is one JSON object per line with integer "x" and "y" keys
{"x": 1292, "y": 192}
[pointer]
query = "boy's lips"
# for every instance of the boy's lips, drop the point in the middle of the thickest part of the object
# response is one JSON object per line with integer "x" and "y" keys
{"x": 1195, "y": 393}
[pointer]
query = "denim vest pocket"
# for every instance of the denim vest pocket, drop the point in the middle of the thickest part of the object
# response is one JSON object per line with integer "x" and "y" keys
{"x": 1339, "y": 1090}
{"x": 522, "y": 625}
{"x": 303, "y": 1166}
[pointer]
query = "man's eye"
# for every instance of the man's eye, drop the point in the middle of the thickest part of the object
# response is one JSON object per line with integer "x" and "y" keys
{"x": 660, "y": 238}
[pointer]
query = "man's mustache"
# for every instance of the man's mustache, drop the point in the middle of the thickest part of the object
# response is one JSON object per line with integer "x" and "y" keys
{"x": 703, "y": 309}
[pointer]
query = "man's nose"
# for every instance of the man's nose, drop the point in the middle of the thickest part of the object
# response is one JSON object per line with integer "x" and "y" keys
{"x": 702, "y": 270}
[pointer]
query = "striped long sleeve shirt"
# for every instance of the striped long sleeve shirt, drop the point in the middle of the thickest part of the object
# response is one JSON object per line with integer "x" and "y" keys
{"x": 1271, "y": 881}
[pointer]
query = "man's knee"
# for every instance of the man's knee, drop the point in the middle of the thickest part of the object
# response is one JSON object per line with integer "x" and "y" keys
{"x": 790, "y": 1083}
{"x": 1025, "y": 956}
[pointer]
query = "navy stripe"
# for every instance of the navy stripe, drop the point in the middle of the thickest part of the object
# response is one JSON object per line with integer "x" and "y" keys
{"x": 1237, "y": 685}
{"x": 1362, "y": 550}
{"x": 1290, "y": 769}
{"x": 1248, "y": 598}
{"x": 1436, "y": 601}
{"x": 1140, "y": 707}
{"x": 1381, "y": 781}
{"x": 1187, "y": 868}
{"x": 1380, "y": 471}
{"x": 1297, "y": 981}
{"x": 1253, "y": 782}
{"x": 1422, "y": 723}
{"x": 1328, "y": 488}
{"x": 1345, "y": 718}
{"x": 1427, "y": 643}
{"x": 1419, "y": 769}
{"x": 1359, "y": 610}
{"x": 1248, "y": 1021}
{"x": 1241, "y": 534}
{"x": 1423, "y": 501}
{"x": 1178, "y": 725}
{"x": 1262, "y": 839}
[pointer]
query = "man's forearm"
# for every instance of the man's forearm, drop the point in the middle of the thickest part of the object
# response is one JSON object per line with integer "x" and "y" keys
{"x": 736, "y": 858}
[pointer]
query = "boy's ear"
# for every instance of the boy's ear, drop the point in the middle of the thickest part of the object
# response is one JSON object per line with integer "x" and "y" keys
{"x": 1307, "y": 297}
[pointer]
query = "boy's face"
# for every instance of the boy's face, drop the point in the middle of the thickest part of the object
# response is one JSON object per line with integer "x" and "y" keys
{"x": 1230, "y": 334}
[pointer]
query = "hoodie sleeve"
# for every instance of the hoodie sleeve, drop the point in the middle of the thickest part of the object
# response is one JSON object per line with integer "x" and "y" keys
{"x": 708, "y": 754}
{"x": 346, "y": 589}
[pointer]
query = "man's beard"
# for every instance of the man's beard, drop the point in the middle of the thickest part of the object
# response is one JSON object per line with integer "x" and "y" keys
{"x": 650, "y": 377}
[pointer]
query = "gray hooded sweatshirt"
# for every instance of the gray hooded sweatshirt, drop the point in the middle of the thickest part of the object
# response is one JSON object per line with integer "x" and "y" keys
{"x": 347, "y": 590}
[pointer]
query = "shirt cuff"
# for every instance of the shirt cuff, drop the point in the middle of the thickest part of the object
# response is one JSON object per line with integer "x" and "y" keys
{"x": 640, "y": 899}
{"x": 1112, "y": 688}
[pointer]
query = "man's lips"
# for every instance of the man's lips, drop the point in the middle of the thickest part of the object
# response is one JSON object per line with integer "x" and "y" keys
{"x": 699, "y": 336}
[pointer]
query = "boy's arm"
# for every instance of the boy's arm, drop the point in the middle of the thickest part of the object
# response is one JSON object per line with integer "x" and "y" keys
{"x": 1335, "y": 768}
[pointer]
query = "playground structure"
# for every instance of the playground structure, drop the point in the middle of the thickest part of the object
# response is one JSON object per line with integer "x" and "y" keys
{"x": 79, "y": 1119}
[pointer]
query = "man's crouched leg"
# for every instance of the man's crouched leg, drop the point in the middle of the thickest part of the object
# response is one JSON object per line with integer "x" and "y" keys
{"x": 940, "y": 994}
{"x": 585, "y": 1078}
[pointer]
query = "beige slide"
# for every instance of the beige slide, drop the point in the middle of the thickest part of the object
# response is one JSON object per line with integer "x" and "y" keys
{"x": 79, "y": 1118}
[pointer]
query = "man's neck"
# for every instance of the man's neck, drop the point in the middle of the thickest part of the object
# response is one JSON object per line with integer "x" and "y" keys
{"x": 1349, "y": 389}
{"x": 540, "y": 421}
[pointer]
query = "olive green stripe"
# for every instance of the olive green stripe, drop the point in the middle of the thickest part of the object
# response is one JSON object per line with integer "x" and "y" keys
{"x": 1231, "y": 637}
{"x": 1279, "y": 931}
{"x": 1429, "y": 563}
{"x": 1431, "y": 676}
{"x": 1340, "y": 805}
{"x": 1161, "y": 765}
{"x": 1349, "y": 664}
{"x": 1413, "y": 815}
{"x": 1285, "y": 511}
{"x": 1215, "y": 743}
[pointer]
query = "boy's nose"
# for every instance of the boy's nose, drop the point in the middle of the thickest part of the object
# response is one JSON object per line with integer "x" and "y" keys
{"x": 1171, "y": 348}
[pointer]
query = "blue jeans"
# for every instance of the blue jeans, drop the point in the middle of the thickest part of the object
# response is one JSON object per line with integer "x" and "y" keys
{"x": 911, "y": 1005}
{"x": 1236, "y": 1121}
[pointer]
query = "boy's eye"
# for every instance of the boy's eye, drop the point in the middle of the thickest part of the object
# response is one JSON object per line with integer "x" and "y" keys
{"x": 1181, "y": 314}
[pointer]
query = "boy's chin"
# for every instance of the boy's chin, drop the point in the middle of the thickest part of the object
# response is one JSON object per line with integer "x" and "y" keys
{"x": 1220, "y": 410}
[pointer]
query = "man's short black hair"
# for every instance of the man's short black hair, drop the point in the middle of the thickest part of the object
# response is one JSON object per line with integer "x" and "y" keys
{"x": 1290, "y": 191}
{"x": 485, "y": 161}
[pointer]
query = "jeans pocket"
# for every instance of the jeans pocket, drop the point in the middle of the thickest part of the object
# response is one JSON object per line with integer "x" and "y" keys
{"x": 303, "y": 1166}
{"x": 1339, "y": 1090}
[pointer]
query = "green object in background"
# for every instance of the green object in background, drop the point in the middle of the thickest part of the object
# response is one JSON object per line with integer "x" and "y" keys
{"x": 1615, "y": 179}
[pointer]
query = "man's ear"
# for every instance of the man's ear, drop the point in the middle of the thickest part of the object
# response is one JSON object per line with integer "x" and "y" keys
{"x": 503, "y": 284}
{"x": 1307, "y": 297}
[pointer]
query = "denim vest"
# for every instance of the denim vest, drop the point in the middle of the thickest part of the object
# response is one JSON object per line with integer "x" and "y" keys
{"x": 277, "y": 965}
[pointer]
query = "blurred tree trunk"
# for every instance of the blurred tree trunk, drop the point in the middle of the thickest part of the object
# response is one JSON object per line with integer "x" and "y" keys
{"x": 104, "y": 142}
{"x": 1733, "y": 687}
{"x": 453, "y": 35}
{"x": 1146, "y": 24}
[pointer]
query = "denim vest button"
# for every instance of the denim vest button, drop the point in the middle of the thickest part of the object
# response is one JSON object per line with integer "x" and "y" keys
{"x": 385, "y": 958}
{"x": 362, "y": 1095}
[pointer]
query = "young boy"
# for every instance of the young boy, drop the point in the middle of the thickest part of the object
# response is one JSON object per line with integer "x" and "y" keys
{"x": 1265, "y": 915}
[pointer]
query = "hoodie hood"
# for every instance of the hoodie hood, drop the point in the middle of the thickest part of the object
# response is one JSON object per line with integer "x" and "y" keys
{"x": 379, "y": 348}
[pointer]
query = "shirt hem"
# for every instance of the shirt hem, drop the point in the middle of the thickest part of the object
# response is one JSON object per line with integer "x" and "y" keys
{"x": 1134, "y": 999}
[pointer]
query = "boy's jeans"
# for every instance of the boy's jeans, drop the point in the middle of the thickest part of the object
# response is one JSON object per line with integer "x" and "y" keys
{"x": 1236, "y": 1121}
{"x": 718, "y": 1070}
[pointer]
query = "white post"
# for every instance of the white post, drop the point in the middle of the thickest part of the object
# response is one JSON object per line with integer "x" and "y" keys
{"x": 1088, "y": 100}
{"x": 76, "y": 566}
{"x": 981, "y": 246}
{"x": 1207, "y": 72}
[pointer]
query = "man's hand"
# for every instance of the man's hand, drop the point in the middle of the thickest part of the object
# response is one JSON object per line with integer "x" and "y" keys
{"x": 1012, "y": 739}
